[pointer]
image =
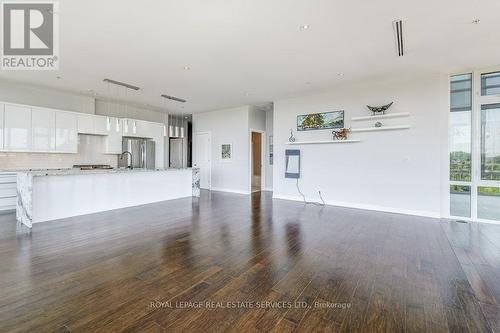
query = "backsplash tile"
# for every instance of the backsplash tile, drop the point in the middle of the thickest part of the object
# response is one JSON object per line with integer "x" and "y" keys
{"x": 90, "y": 148}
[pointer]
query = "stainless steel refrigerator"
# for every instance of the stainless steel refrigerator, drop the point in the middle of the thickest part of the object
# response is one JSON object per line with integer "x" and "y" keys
{"x": 143, "y": 153}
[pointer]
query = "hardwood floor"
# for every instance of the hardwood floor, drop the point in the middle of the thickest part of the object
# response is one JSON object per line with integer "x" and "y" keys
{"x": 230, "y": 262}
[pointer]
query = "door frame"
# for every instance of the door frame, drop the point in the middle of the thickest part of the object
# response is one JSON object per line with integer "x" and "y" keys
{"x": 477, "y": 101}
{"x": 195, "y": 149}
{"x": 262, "y": 159}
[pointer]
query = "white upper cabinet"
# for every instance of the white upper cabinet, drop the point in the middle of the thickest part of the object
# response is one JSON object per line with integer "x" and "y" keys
{"x": 113, "y": 142}
{"x": 43, "y": 129}
{"x": 144, "y": 129}
{"x": 1, "y": 126}
{"x": 17, "y": 127}
{"x": 101, "y": 125}
{"x": 66, "y": 132}
{"x": 85, "y": 124}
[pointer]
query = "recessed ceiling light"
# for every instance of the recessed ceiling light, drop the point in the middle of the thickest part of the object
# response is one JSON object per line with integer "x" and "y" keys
{"x": 187, "y": 68}
{"x": 340, "y": 74}
{"x": 58, "y": 77}
{"x": 304, "y": 27}
{"x": 476, "y": 21}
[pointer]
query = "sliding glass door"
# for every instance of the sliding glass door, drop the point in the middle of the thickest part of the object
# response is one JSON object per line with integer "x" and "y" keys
{"x": 474, "y": 139}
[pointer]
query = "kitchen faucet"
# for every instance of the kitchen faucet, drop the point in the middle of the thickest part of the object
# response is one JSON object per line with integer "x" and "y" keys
{"x": 121, "y": 158}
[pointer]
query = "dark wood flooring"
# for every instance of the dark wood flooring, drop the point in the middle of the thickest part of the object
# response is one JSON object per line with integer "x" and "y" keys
{"x": 230, "y": 262}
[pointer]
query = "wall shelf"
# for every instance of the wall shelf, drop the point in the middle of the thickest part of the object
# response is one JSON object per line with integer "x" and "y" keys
{"x": 382, "y": 116}
{"x": 383, "y": 128}
{"x": 320, "y": 142}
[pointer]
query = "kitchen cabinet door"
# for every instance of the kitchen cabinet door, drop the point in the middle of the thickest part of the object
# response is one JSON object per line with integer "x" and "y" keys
{"x": 1, "y": 126}
{"x": 85, "y": 124}
{"x": 158, "y": 131}
{"x": 113, "y": 141}
{"x": 43, "y": 129}
{"x": 17, "y": 126}
{"x": 66, "y": 132}
{"x": 101, "y": 125}
{"x": 145, "y": 129}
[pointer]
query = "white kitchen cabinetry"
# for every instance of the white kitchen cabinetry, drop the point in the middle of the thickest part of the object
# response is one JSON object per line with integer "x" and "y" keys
{"x": 66, "y": 132}
{"x": 113, "y": 140}
{"x": 17, "y": 127}
{"x": 145, "y": 129}
{"x": 43, "y": 130}
{"x": 1, "y": 126}
{"x": 85, "y": 124}
{"x": 100, "y": 125}
{"x": 157, "y": 133}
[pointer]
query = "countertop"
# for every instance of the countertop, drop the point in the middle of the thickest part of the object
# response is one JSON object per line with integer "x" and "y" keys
{"x": 77, "y": 172}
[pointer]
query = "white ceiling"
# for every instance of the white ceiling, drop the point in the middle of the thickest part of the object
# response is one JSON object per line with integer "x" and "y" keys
{"x": 250, "y": 52}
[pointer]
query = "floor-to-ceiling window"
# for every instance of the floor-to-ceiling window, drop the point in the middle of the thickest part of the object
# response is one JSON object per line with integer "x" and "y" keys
{"x": 474, "y": 139}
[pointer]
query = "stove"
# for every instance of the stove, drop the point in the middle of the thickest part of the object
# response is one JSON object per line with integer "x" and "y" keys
{"x": 92, "y": 166}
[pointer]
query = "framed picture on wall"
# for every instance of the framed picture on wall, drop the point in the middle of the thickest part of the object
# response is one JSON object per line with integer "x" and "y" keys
{"x": 320, "y": 121}
{"x": 226, "y": 152}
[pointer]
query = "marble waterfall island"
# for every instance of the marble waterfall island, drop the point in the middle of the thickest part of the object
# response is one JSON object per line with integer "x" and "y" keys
{"x": 56, "y": 194}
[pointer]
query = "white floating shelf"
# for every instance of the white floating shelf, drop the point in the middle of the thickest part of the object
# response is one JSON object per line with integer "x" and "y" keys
{"x": 382, "y": 116}
{"x": 383, "y": 128}
{"x": 320, "y": 142}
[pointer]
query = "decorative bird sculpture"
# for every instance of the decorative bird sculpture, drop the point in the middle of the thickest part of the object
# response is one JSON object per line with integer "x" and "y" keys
{"x": 379, "y": 109}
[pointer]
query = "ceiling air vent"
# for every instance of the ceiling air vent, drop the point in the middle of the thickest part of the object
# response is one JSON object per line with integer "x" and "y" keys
{"x": 398, "y": 34}
{"x": 123, "y": 84}
{"x": 177, "y": 99}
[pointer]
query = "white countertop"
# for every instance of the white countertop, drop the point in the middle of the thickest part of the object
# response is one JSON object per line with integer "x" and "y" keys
{"x": 77, "y": 172}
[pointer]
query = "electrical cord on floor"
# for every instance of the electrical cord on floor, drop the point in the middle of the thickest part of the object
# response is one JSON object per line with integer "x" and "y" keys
{"x": 310, "y": 202}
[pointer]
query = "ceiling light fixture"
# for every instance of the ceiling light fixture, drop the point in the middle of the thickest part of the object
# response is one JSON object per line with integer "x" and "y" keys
{"x": 118, "y": 83}
{"x": 177, "y": 99}
{"x": 476, "y": 21}
{"x": 304, "y": 27}
{"x": 398, "y": 34}
{"x": 340, "y": 74}
{"x": 187, "y": 68}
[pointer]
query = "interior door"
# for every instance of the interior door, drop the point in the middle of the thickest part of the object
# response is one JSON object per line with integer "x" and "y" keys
{"x": 202, "y": 154}
{"x": 176, "y": 153}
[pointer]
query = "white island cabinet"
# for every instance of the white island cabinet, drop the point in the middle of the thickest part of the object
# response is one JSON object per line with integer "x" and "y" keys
{"x": 56, "y": 194}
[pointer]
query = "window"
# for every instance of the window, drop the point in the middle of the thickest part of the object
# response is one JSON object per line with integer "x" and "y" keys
{"x": 490, "y": 84}
{"x": 460, "y": 204}
{"x": 460, "y": 127}
{"x": 461, "y": 92}
{"x": 490, "y": 142}
{"x": 488, "y": 203}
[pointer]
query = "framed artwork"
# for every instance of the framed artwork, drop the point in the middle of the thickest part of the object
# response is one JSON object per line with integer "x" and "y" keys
{"x": 320, "y": 121}
{"x": 226, "y": 150}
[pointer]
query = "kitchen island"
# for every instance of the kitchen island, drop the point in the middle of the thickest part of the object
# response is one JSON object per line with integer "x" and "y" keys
{"x": 55, "y": 194}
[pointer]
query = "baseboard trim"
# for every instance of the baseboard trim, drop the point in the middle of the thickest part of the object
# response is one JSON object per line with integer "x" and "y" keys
{"x": 364, "y": 206}
{"x": 229, "y": 190}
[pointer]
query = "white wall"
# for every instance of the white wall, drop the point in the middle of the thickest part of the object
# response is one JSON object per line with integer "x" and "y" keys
{"x": 15, "y": 92}
{"x": 397, "y": 171}
{"x": 227, "y": 126}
